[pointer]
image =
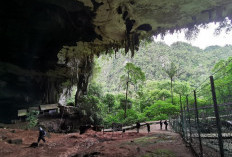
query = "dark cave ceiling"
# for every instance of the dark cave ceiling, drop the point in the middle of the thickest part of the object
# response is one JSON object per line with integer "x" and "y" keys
{"x": 34, "y": 32}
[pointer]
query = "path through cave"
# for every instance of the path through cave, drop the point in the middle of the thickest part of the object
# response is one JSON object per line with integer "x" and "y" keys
{"x": 157, "y": 143}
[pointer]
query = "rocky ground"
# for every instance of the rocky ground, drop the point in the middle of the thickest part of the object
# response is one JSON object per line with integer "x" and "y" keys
{"x": 158, "y": 143}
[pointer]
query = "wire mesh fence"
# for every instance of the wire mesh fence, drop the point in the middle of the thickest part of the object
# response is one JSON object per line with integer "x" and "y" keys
{"x": 205, "y": 120}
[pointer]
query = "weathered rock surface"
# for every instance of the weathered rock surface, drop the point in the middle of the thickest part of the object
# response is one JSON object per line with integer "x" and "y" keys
{"x": 37, "y": 35}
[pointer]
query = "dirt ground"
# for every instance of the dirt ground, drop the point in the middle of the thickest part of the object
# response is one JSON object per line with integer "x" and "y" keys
{"x": 158, "y": 143}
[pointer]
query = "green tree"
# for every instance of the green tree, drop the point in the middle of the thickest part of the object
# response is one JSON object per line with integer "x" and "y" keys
{"x": 161, "y": 110}
{"x": 132, "y": 76}
{"x": 171, "y": 71}
{"x": 109, "y": 100}
{"x": 32, "y": 118}
{"x": 95, "y": 89}
{"x": 90, "y": 110}
{"x": 182, "y": 88}
{"x": 223, "y": 80}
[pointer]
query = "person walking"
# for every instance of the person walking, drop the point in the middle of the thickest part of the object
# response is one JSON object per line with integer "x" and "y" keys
{"x": 137, "y": 126}
{"x": 42, "y": 134}
{"x": 161, "y": 124}
{"x": 166, "y": 124}
{"x": 148, "y": 127}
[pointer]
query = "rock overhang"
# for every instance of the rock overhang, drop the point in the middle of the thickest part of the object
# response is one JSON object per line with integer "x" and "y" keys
{"x": 33, "y": 32}
{"x": 122, "y": 23}
{"x": 38, "y": 29}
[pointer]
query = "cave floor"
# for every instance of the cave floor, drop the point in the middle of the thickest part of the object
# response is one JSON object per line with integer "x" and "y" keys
{"x": 158, "y": 143}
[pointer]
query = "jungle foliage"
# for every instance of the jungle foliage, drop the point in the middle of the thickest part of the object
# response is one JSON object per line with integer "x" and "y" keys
{"x": 32, "y": 118}
{"x": 192, "y": 64}
{"x": 170, "y": 71}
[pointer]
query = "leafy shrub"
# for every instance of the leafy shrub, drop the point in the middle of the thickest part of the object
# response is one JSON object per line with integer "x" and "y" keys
{"x": 32, "y": 118}
{"x": 109, "y": 101}
{"x": 161, "y": 109}
{"x": 142, "y": 117}
{"x": 161, "y": 117}
{"x": 131, "y": 118}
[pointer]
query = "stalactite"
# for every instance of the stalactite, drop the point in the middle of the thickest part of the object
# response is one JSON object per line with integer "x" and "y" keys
{"x": 126, "y": 45}
{"x": 132, "y": 46}
{"x": 136, "y": 41}
{"x": 84, "y": 74}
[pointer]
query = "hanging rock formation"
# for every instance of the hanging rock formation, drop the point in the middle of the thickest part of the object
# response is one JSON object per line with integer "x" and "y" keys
{"x": 36, "y": 34}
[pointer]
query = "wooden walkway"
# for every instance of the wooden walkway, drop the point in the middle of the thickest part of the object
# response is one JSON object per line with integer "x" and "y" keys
{"x": 213, "y": 135}
{"x": 132, "y": 126}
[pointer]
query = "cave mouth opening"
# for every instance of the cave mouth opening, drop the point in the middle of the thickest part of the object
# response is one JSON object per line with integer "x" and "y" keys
{"x": 33, "y": 33}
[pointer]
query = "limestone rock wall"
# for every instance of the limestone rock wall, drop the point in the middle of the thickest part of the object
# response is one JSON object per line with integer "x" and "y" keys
{"x": 34, "y": 34}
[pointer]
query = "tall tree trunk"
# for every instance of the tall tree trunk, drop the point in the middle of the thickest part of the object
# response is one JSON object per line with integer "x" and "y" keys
{"x": 127, "y": 86}
{"x": 171, "y": 90}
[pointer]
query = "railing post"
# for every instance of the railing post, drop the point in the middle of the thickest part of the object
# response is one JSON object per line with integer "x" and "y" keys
{"x": 182, "y": 120}
{"x": 185, "y": 122}
{"x": 218, "y": 122}
{"x": 198, "y": 128}
{"x": 190, "y": 130}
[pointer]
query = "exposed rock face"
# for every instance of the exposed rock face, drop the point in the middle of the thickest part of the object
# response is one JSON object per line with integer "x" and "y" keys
{"x": 117, "y": 19}
{"x": 84, "y": 72}
{"x": 68, "y": 111}
{"x": 33, "y": 32}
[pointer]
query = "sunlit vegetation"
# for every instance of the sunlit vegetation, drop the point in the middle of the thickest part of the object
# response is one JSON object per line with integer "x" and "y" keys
{"x": 148, "y": 87}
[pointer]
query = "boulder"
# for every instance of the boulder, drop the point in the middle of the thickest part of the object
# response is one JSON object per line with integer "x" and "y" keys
{"x": 3, "y": 137}
{"x": 15, "y": 141}
{"x": 68, "y": 110}
{"x": 84, "y": 128}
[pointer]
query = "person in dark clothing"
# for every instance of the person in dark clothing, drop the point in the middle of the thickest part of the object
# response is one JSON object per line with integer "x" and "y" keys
{"x": 148, "y": 127}
{"x": 137, "y": 126}
{"x": 161, "y": 124}
{"x": 42, "y": 134}
{"x": 166, "y": 124}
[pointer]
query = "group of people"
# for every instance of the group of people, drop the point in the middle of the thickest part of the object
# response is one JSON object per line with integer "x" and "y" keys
{"x": 165, "y": 123}
{"x": 148, "y": 126}
{"x": 138, "y": 127}
{"x": 42, "y": 133}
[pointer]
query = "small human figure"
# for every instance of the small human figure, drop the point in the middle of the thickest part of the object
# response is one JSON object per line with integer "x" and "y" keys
{"x": 42, "y": 134}
{"x": 148, "y": 127}
{"x": 123, "y": 131}
{"x": 161, "y": 124}
{"x": 137, "y": 126}
{"x": 166, "y": 124}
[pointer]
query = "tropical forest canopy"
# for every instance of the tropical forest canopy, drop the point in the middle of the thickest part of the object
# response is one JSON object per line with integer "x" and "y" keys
{"x": 193, "y": 64}
{"x": 148, "y": 86}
